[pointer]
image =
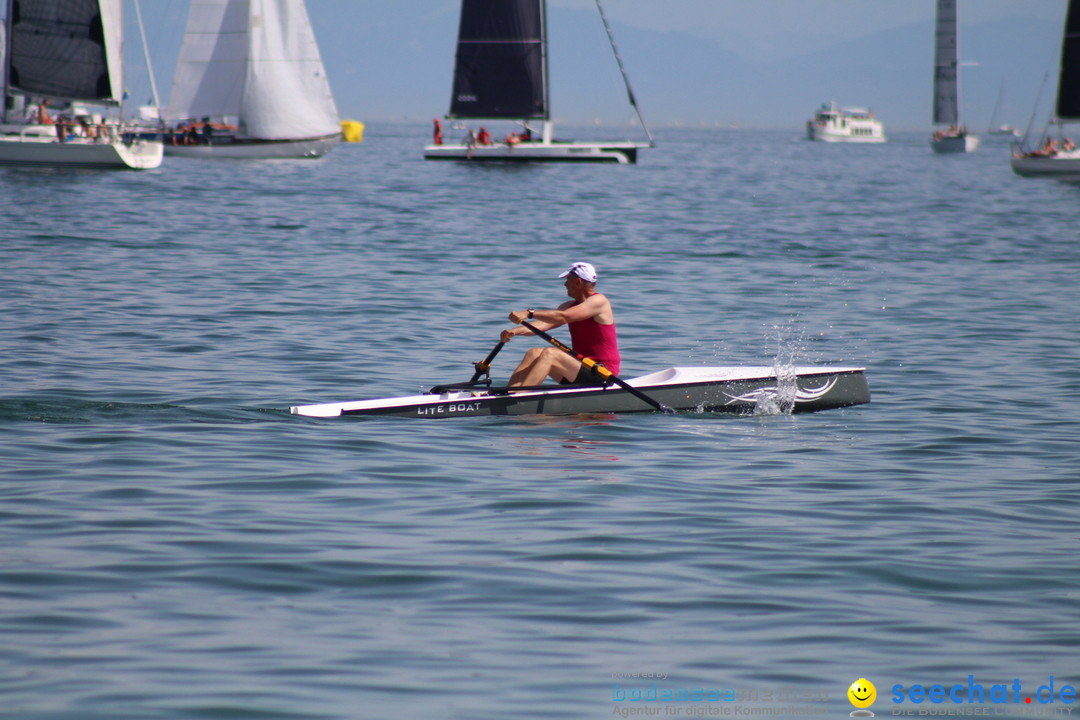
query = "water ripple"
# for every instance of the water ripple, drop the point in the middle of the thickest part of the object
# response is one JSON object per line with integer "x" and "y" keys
{"x": 176, "y": 545}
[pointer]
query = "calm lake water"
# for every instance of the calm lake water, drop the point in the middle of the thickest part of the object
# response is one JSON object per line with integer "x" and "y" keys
{"x": 174, "y": 544}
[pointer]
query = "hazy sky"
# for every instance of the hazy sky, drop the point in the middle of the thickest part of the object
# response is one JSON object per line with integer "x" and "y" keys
{"x": 765, "y": 19}
{"x": 746, "y": 26}
{"x": 394, "y": 60}
{"x": 750, "y": 27}
{"x": 762, "y": 29}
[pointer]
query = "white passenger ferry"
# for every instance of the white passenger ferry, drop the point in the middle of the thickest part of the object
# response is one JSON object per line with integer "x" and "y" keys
{"x": 832, "y": 123}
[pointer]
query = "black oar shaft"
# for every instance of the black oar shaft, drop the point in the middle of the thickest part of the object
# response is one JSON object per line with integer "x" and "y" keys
{"x": 484, "y": 365}
{"x": 596, "y": 367}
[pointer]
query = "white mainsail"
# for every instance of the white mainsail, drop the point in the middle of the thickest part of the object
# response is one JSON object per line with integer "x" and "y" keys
{"x": 209, "y": 75}
{"x": 257, "y": 61}
{"x": 112, "y": 22}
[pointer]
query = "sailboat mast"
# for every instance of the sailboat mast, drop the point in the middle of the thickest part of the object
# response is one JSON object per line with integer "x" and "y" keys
{"x": 956, "y": 61}
{"x": 548, "y": 130}
{"x": 5, "y": 58}
{"x": 146, "y": 54}
{"x": 997, "y": 107}
{"x": 625, "y": 77}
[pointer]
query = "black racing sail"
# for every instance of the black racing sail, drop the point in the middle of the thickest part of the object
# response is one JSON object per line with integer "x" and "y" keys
{"x": 946, "y": 102}
{"x": 58, "y": 48}
{"x": 500, "y": 70}
{"x": 1068, "y": 98}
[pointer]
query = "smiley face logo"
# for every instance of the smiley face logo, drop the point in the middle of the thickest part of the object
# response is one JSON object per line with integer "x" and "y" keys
{"x": 862, "y": 693}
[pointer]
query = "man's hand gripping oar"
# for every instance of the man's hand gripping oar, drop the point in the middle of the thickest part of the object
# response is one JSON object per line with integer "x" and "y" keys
{"x": 484, "y": 366}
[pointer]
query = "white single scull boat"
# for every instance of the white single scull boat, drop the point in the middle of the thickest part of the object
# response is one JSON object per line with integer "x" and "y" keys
{"x": 701, "y": 389}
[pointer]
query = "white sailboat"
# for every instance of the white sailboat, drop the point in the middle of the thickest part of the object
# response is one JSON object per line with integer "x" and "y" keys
{"x": 1059, "y": 158}
{"x": 66, "y": 54}
{"x": 953, "y": 137}
{"x": 250, "y": 83}
{"x": 501, "y": 73}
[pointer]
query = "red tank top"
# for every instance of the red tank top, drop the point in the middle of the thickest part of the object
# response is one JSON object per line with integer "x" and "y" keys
{"x": 596, "y": 341}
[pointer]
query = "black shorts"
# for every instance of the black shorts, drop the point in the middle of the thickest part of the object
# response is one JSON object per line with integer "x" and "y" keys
{"x": 586, "y": 377}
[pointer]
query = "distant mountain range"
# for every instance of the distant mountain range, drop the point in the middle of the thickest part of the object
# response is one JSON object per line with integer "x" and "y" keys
{"x": 679, "y": 78}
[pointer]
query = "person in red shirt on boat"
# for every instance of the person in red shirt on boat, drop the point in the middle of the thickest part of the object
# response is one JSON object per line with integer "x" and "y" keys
{"x": 483, "y": 137}
{"x": 43, "y": 113}
{"x": 591, "y": 322}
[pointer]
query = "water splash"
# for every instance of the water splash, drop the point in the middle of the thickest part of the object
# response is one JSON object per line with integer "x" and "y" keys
{"x": 790, "y": 347}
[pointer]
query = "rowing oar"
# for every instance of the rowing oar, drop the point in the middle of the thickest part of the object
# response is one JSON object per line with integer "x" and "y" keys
{"x": 485, "y": 365}
{"x": 597, "y": 368}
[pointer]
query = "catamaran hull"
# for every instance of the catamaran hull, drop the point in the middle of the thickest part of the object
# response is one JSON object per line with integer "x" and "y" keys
{"x": 29, "y": 151}
{"x": 256, "y": 149}
{"x": 1063, "y": 166}
{"x": 954, "y": 144}
{"x": 623, "y": 153}
{"x": 705, "y": 389}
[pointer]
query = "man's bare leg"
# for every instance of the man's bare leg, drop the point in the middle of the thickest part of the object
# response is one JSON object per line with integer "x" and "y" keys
{"x": 541, "y": 363}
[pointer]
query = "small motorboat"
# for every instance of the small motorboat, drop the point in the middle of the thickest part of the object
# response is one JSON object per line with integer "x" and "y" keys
{"x": 832, "y": 123}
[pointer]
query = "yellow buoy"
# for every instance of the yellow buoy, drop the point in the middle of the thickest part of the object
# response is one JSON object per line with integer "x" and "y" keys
{"x": 352, "y": 131}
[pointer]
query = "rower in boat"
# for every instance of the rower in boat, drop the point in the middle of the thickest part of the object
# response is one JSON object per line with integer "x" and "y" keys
{"x": 591, "y": 322}
{"x": 588, "y": 380}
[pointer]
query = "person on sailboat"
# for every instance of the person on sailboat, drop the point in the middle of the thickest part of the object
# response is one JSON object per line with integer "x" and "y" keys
{"x": 438, "y": 132}
{"x": 64, "y": 125}
{"x": 483, "y": 137}
{"x": 591, "y": 321}
{"x": 1048, "y": 149}
{"x": 43, "y": 113}
{"x": 89, "y": 130}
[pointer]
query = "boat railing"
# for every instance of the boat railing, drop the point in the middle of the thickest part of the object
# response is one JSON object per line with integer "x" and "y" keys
{"x": 98, "y": 132}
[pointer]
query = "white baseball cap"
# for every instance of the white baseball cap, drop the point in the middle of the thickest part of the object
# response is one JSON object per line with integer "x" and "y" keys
{"x": 583, "y": 270}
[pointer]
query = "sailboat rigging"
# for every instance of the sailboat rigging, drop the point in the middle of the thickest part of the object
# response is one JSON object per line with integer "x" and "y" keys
{"x": 1000, "y": 129}
{"x": 501, "y": 73}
